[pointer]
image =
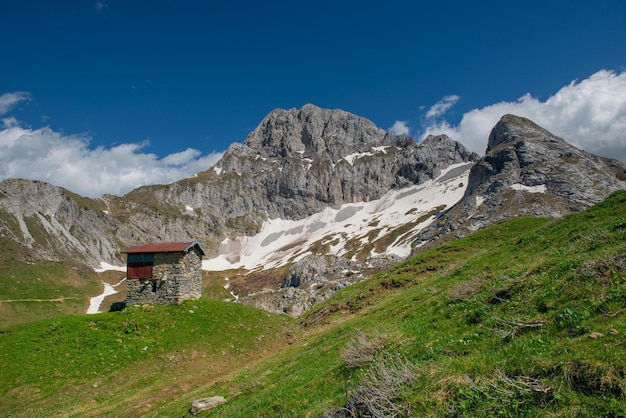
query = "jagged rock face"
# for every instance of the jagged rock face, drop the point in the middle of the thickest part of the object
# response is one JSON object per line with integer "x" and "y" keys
{"x": 295, "y": 163}
{"x": 529, "y": 171}
{"x": 50, "y": 223}
{"x": 307, "y": 283}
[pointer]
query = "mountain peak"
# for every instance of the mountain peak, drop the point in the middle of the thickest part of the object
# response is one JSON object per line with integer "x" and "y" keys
{"x": 511, "y": 128}
{"x": 314, "y": 131}
{"x": 445, "y": 151}
{"x": 529, "y": 171}
{"x": 300, "y": 161}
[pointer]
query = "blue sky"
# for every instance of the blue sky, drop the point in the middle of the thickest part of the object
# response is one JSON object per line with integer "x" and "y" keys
{"x": 127, "y": 93}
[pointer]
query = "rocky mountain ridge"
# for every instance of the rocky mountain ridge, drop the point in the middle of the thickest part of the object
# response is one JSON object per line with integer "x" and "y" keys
{"x": 527, "y": 170}
{"x": 296, "y": 163}
{"x": 299, "y": 161}
{"x": 313, "y": 182}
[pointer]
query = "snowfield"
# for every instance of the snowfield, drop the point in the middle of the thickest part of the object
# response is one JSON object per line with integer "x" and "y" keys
{"x": 282, "y": 241}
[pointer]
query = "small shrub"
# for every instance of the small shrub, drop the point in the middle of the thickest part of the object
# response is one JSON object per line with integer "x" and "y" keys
{"x": 603, "y": 266}
{"x": 594, "y": 379}
{"x": 571, "y": 319}
{"x": 475, "y": 317}
{"x": 510, "y": 327}
{"x": 360, "y": 350}
{"x": 384, "y": 391}
{"x": 502, "y": 395}
{"x": 466, "y": 290}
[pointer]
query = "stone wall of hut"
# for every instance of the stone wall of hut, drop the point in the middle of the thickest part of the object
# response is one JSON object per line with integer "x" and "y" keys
{"x": 175, "y": 277}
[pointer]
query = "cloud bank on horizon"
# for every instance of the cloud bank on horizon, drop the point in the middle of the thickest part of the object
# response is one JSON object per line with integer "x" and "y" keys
{"x": 590, "y": 114}
{"x": 68, "y": 161}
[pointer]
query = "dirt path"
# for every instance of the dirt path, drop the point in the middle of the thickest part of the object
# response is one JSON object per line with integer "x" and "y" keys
{"x": 59, "y": 299}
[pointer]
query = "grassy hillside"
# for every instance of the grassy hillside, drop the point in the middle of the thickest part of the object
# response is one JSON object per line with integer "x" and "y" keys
{"x": 31, "y": 292}
{"x": 133, "y": 362}
{"x": 526, "y": 318}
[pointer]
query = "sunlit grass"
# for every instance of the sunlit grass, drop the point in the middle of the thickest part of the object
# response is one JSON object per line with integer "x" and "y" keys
{"x": 526, "y": 318}
{"x": 30, "y": 292}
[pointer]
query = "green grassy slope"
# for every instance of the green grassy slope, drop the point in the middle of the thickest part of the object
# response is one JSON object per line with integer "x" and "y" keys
{"x": 132, "y": 362}
{"x": 30, "y": 292}
{"x": 526, "y": 318}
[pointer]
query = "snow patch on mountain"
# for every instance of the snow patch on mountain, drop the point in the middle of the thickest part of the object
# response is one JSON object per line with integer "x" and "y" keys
{"x": 107, "y": 267}
{"x": 541, "y": 188}
{"x": 282, "y": 241}
{"x": 96, "y": 301}
{"x": 355, "y": 156}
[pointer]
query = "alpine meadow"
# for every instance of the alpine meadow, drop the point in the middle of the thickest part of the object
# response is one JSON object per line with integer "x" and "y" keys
{"x": 325, "y": 268}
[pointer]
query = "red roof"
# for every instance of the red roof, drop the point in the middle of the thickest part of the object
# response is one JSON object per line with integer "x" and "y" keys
{"x": 165, "y": 247}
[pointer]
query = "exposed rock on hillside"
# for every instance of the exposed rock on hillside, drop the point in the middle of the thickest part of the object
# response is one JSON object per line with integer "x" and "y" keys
{"x": 309, "y": 185}
{"x": 528, "y": 171}
{"x": 299, "y": 161}
{"x": 307, "y": 283}
{"x": 296, "y": 163}
{"x": 313, "y": 280}
{"x": 48, "y": 223}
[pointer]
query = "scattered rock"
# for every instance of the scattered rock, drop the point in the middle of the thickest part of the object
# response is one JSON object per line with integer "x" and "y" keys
{"x": 308, "y": 282}
{"x": 204, "y": 404}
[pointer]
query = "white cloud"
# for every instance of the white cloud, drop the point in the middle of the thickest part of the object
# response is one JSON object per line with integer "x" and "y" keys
{"x": 10, "y": 100}
{"x": 68, "y": 161}
{"x": 400, "y": 127}
{"x": 100, "y": 7}
{"x": 442, "y": 106}
{"x": 590, "y": 114}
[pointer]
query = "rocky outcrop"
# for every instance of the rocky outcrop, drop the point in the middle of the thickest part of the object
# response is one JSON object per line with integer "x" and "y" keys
{"x": 307, "y": 283}
{"x": 294, "y": 164}
{"x": 527, "y": 170}
{"x": 48, "y": 223}
{"x": 299, "y": 161}
{"x": 313, "y": 280}
{"x": 204, "y": 404}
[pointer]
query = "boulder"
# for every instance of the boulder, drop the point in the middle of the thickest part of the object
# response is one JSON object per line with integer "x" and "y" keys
{"x": 205, "y": 404}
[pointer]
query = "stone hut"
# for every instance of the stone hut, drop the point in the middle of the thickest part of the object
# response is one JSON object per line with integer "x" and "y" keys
{"x": 164, "y": 273}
